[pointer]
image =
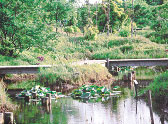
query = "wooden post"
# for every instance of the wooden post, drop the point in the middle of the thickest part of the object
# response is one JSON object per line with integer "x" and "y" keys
{"x": 130, "y": 80}
{"x": 48, "y": 108}
{"x": 136, "y": 87}
{"x": 45, "y": 101}
{"x": 34, "y": 95}
{"x": 150, "y": 106}
{"x": 125, "y": 77}
{"x": 107, "y": 64}
{"x": 129, "y": 76}
{"x": 8, "y": 118}
{"x": 49, "y": 96}
{"x": 27, "y": 98}
{"x": 1, "y": 118}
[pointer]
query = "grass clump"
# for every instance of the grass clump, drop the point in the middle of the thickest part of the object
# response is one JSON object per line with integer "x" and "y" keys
{"x": 5, "y": 103}
{"x": 74, "y": 74}
{"x": 24, "y": 85}
{"x": 159, "y": 87}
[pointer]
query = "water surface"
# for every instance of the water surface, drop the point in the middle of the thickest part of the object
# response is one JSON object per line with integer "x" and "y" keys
{"x": 117, "y": 110}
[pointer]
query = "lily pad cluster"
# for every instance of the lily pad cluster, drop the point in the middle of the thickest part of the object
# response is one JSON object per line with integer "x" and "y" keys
{"x": 91, "y": 91}
{"x": 41, "y": 92}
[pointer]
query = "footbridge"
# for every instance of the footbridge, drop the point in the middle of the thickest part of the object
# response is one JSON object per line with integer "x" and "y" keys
{"x": 137, "y": 62}
{"x": 108, "y": 63}
{"x": 22, "y": 69}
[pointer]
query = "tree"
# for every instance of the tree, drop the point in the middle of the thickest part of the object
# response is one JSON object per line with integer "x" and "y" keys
{"x": 160, "y": 23}
{"x": 58, "y": 11}
{"x": 116, "y": 15}
{"x": 21, "y": 26}
{"x": 82, "y": 17}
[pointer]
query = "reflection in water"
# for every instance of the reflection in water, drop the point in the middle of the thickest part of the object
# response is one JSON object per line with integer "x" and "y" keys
{"x": 68, "y": 111}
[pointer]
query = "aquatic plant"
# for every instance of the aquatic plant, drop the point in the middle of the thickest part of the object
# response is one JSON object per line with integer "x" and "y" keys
{"x": 92, "y": 91}
{"x": 41, "y": 92}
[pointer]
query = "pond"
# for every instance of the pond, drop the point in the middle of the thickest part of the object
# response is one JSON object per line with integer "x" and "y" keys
{"x": 116, "y": 110}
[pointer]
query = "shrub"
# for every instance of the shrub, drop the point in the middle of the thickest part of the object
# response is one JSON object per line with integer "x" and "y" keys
{"x": 124, "y": 33}
{"x": 76, "y": 29}
{"x": 5, "y": 103}
{"x": 159, "y": 87}
{"x": 69, "y": 29}
{"x": 118, "y": 42}
{"x": 73, "y": 74}
{"x": 158, "y": 37}
{"x": 126, "y": 48}
{"x": 91, "y": 32}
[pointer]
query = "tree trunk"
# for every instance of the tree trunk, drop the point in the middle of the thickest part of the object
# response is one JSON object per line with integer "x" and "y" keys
{"x": 132, "y": 20}
{"x": 108, "y": 18}
{"x": 56, "y": 17}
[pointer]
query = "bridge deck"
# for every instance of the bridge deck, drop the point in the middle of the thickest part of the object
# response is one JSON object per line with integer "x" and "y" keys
{"x": 21, "y": 69}
{"x": 109, "y": 63}
{"x": 138, "y": 62}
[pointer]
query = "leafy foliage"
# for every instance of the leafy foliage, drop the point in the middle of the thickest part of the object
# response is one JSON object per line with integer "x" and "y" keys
{"x": 21, "y": 27}
{"x": 159, "y": 87}
{"x": 91, "y": 91}
{"x": 160, "y": 24}
{"x": 90, "y": 32}
{"x": 41, "y": 92}
{"x": 69, "y": 30}
{"x": 124, "y": 33}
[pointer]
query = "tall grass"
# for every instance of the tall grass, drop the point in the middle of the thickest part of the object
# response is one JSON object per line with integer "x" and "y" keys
{"x": 74, "y": 74}
{"x": 159, "y": 87}
{"x": 5, "y": 103}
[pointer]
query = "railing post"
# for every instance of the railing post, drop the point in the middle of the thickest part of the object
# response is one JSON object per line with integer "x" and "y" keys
{"x": 27, "y": 98}
{"x": 49, "y": 96}
{"x": 107, "y": 64}
{"x": 34, "y": 95}
{"x": 45, "y": 101}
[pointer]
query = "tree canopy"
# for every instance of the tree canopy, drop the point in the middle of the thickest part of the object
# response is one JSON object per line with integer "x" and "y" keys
{"x": 32, "y": 23}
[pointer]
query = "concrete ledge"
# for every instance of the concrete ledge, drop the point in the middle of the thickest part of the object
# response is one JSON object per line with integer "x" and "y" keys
{"x": 21, "y": 69}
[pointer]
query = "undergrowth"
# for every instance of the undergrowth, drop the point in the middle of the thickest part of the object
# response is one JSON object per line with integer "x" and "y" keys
{"x": 5, "y": 103}
{"x": 74, "y": 74}
{"x": 159, "y": 87}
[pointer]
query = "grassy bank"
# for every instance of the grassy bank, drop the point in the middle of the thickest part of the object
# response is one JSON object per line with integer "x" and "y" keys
{"x": 65, "y": 50}
{"x": 5, "y": 103}
{"x": 159, "y": 87}
{"x": 67, "y": 74}
{"x": 143, "y": 73}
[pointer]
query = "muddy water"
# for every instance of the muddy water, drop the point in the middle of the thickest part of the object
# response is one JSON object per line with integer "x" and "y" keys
{"x": 117, "y": 110}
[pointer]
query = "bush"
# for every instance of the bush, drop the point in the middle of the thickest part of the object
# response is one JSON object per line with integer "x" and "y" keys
{"x": 5, "y": 103}
{"x": 119, "y": 42}
{"x": 73, "y": 74}
{"x": 76, "y": 29}
{"x": 159, "y": 87}
{"x": 69, "y": 29}
{"x": 91, "y": 32}
{"x": 126, "y": 48}
{"x": 158, "y": 37}
{"x": 124, "y": 33}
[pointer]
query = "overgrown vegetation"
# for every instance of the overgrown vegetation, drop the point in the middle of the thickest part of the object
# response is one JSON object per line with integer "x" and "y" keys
{"x": 159, "y": 87}
{"x": 75, "y": 75}
{"x": 29, "y": 35}
{"x": 5, "y": 103}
